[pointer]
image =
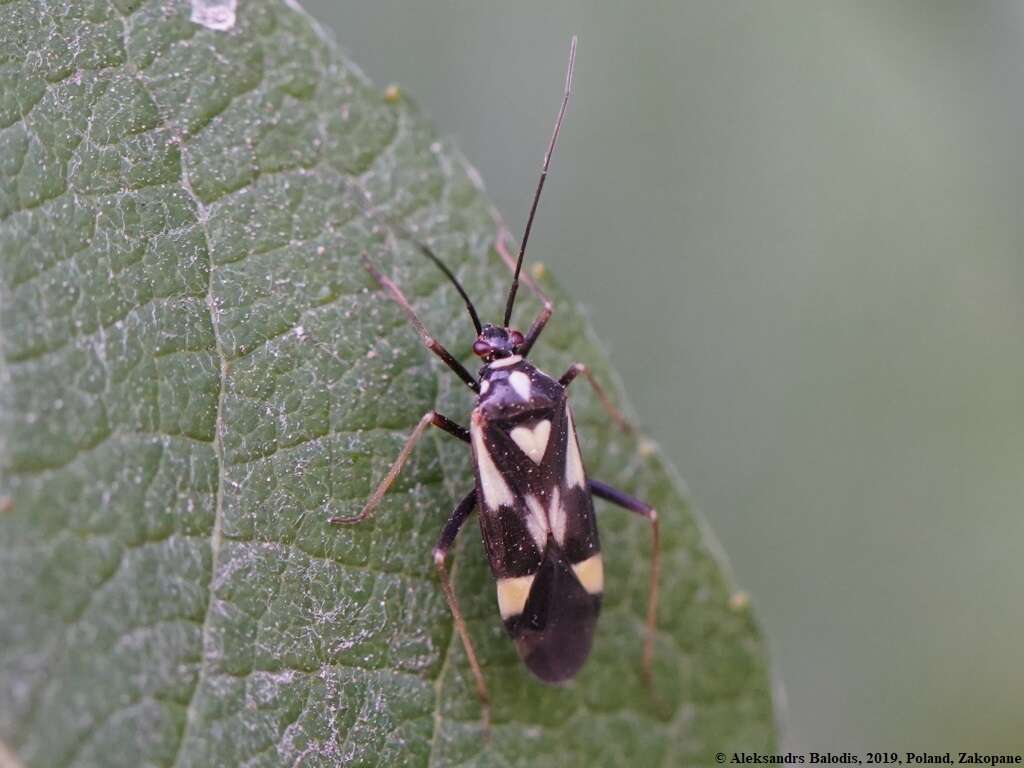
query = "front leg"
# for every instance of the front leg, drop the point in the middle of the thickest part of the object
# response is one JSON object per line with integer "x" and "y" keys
{"x": 575, "y": 370}
{"x": 624, "y": 500}
{"x": 430, "y": 418}
{"x": 426, "y": 337}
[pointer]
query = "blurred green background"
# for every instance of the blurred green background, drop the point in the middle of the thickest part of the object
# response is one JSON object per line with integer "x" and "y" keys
{"x": 798, "y": 226}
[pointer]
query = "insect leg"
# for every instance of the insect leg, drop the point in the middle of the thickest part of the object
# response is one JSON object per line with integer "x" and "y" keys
{"x": 428, "y": 341}
{"x": 547, "y": 308}
{"x": 575, "y": 370}
{"x": 429, "y": 418}
{"x": 624, "y": 500}
{"x": 444, "y": 545}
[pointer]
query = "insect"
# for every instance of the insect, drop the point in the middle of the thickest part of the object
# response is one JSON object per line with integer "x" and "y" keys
{"x": 535, "y": 499}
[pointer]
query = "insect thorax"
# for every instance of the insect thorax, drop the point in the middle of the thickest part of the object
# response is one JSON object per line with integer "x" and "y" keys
{"x": 513, "y": 391}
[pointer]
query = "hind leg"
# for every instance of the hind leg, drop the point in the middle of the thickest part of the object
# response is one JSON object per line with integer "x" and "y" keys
{"x": 624, "y": 500}
{"x": 444, "y": 545}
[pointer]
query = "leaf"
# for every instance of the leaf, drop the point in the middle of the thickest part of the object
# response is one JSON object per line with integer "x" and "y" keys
{"x": 197, "y": 373}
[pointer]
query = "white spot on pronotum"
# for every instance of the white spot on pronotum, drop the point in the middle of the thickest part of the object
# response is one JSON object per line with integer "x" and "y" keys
{"x": 214, "y": 14}
{"x": 533, "y": 442}
{"x": 496, "y": 490}
{"x": 485, "y": 387}
{"x": 512, "y": 594}
{"x": 590, "y": 573}
{"x": 537, "y": 522}
{"x": 505, "y": 362}
{"x": 574, "y": 475}
{"x": 520, "y": 383}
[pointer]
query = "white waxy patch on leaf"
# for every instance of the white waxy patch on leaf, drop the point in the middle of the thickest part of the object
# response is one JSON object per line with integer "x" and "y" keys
{"x": 590, "y": 573}
{"x": 574, "y": 475}
{"x": 520, "y": 383}
{"x": 214, "y": 14}
{"x": 496, "y": 490}
{"x": 533, "y": 442}
{"x": 512, "y": 595}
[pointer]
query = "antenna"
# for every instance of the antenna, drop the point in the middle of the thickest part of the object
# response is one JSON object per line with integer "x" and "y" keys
{"x": 540, "y": 184}
{"x": 426, "y": 251}
{"x": 458, "y": 286}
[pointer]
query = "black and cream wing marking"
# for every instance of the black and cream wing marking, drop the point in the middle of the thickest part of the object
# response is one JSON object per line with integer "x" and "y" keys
{"x": 537, "y": 518}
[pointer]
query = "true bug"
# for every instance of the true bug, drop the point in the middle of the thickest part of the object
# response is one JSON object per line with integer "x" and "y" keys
{"x": 536, "y": 509}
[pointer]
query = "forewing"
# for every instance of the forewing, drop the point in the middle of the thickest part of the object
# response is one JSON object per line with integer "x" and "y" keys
{"x": 532, "y": 484}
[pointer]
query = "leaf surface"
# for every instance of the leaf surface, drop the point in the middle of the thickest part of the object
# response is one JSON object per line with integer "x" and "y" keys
{"x": 197, "y": 372}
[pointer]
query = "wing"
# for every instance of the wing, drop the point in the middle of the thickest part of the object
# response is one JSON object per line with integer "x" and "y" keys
{"x": 532, "y": 487}
{"x": 538, "y": 526}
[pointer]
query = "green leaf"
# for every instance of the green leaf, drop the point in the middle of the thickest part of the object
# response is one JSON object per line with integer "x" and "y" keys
{"x": 197, "y": 372}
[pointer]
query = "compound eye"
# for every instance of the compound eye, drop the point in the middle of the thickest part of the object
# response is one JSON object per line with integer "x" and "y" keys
{"x": 481, "y": 347}
{"x": 516, "y": 338}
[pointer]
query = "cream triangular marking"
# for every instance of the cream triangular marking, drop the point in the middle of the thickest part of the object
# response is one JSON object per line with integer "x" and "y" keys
{"x": 512, "y": 595}
{"x": 520, "y": 383}
{"x": 496, "y": 490}
{"x": 533, "y": 442}
{"x": 557, "y": 518}
{"x": 590, "y": 573}
{"x": 537, "y": 522}
{"x": 574, "y": 475}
